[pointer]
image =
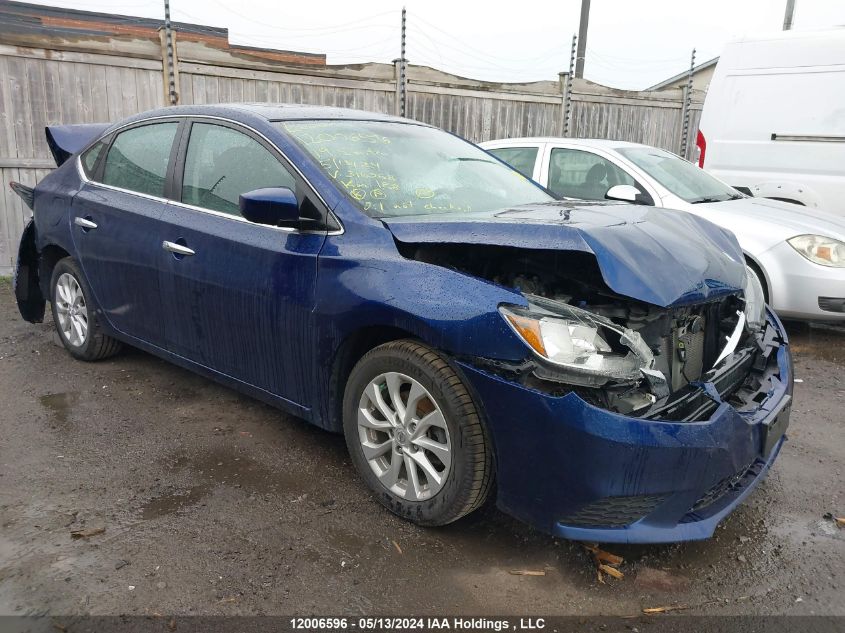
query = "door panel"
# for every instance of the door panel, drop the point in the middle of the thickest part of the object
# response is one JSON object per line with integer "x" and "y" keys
{"x": 238, "y": 296}
{"x": 242, "y": 303}
{"x": 120, "y": 257}
{"x": 116, "y": 232}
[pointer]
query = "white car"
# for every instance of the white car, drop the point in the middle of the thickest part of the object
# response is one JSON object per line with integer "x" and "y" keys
{"x": 798, "y": 253}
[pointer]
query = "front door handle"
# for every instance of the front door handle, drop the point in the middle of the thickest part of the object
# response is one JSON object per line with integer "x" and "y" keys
{"x": 85, "y": 223}
{"x": 178, "y": 249}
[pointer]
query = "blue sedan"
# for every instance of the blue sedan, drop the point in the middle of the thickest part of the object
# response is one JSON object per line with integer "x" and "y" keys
{"x": 605, "y": 371}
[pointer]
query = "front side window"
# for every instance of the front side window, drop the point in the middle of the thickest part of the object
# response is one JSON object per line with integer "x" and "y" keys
{"x": 521, "y": 159}
{"x": 138, "y": 158}
{"x": 681, "y": 177}
{"x": 223, "y": 163}
{"x": 574, "y": 173}
{"x": 392, "y": 169}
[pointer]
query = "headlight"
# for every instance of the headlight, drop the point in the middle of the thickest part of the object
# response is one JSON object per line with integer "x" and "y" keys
{"x": 585, "y": 348}
{"x": 820, "y": 250}
{"x": 755, "y": 300}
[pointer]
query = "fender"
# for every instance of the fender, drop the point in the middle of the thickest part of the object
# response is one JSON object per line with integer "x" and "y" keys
{"x": 453, "y": 312}
{"x": 789, "y": 191}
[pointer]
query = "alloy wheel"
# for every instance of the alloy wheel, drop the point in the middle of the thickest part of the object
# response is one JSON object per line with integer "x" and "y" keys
{"x": 71, "y": 310}
{"x": 404, "y": 436}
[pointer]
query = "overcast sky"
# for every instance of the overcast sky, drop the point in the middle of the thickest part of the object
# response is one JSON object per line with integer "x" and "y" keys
{"x": 632, "y": 43}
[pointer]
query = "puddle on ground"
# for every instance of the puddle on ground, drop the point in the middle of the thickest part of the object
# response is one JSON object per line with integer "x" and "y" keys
{"x": 173, "y": 503}
{"x": 60, "y": 405}
{"x": 223, "y": 467}
{"x": 348, "y": 542}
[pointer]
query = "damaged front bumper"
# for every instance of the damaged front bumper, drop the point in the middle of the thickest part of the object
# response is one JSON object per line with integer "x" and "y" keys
{"x": 581, "y": 472}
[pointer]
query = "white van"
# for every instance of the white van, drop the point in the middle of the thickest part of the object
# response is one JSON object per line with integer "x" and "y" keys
{"x": 773, "y": 123}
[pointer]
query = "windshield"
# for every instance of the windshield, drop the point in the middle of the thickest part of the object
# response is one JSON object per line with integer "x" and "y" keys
{"x": 681, "y": 177}
{"x": 393, "y": 169}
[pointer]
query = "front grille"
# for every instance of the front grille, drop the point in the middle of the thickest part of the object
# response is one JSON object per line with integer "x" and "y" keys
{"x": 614, "y": 511}
{"x": 723, "y": 487}
{"x": 692, "y": 403}
{"x": 832, "y": 304}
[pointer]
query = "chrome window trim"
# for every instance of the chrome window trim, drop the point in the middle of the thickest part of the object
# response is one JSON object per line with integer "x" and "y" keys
{"x": 180, "y": 117}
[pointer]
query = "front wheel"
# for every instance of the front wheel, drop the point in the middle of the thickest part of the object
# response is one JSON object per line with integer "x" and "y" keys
{"x": 74, "y": 316}
{"x": 415, "y": 434}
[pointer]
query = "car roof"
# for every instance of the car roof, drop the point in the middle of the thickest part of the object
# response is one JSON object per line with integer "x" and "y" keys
{"x": 273, "y": 112}
{"x": 585, "y": 142}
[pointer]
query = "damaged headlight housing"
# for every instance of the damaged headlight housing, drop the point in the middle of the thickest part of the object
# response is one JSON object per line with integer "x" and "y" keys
{"x": 821, "y": 250}
{"x": 755, "y": 300}
{"x": 576, "y": 345}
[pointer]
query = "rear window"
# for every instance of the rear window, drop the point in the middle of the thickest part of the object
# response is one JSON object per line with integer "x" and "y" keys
{"x": 521, "y": 159}
{"x": 138, "y": 158}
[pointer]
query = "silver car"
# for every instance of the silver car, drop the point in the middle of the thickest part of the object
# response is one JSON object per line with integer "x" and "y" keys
{"x": 798, "y": 253}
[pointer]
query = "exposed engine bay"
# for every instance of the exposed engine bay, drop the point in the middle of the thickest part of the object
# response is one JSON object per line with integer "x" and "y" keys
{"x": 621, "y": 354}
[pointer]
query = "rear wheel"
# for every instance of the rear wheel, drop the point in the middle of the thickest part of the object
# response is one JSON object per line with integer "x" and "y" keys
{"x": 415, "y": 435}
{"x": 74, "y": 317}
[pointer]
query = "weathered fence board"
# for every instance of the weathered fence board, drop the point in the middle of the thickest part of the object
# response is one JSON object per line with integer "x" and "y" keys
{"x": 44, "y": 86}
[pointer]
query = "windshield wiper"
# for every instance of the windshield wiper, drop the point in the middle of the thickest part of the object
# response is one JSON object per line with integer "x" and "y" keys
{"x": 704, "y": 200}
{"x": 464, "y": 159}
{"x": 733, "y": 196}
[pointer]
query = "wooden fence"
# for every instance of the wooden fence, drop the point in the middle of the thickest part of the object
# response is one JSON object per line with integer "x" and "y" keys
{"x": 101, "y": 80}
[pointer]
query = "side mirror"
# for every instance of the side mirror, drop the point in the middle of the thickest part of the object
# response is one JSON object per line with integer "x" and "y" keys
{"x": 276, "y": 206}
{"x": 625, "y": 193}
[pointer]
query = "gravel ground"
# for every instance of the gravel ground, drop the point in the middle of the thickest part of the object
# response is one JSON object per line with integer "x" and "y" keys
{"x": 212, "y": 503}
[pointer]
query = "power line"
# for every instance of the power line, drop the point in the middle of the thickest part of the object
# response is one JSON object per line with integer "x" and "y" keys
{"x": 622, "y": 63}
{"x": 478, "y": 53}
{"x": 479, "y": 67}
{"x": 330, "y": 29}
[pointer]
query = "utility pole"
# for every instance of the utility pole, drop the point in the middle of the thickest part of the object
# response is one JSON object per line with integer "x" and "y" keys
{"x": 402, "y": 79}
{"x": 168, "y": 42}
{"x": 567, "y": 97}
{"x": 687, "y": 106}
{"x": 582, "y": 38}
{"x": 788, "y": 15}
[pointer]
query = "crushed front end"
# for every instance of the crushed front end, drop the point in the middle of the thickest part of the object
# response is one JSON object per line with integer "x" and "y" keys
{"x": 630, "y": 422}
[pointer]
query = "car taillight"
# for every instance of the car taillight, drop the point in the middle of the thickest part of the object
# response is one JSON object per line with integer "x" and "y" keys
{"x": 701, "y": 146}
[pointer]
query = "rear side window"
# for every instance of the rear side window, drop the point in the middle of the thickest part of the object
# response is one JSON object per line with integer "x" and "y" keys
{"x": 521, "y": 159}
{"x": 223, "y": 163}
{"x": 138, "y": 158}
{"x": 89, "y": 158}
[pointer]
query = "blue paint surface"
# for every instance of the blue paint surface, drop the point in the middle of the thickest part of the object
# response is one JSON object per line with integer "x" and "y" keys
{"x": 271, "y": 313}
{"x": 659, "y": 256}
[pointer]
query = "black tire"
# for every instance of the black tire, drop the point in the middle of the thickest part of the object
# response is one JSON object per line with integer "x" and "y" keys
{"x": 760, "y": 277}
{"x": 470, "y": 477}
{"x": 96, "y": 345}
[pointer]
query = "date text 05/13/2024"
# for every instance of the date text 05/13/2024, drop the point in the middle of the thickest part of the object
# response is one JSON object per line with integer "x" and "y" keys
{"x": 416, "y": 624}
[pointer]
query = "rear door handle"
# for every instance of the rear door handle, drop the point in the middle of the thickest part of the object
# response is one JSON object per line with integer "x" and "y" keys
{"x": 178, "y": 249}
{"x": 85, "y": 223}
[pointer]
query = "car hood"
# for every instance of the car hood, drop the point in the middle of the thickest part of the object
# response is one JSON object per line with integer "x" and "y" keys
{"x": 657, "y": 256}
{"x": 777, "y": 220}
